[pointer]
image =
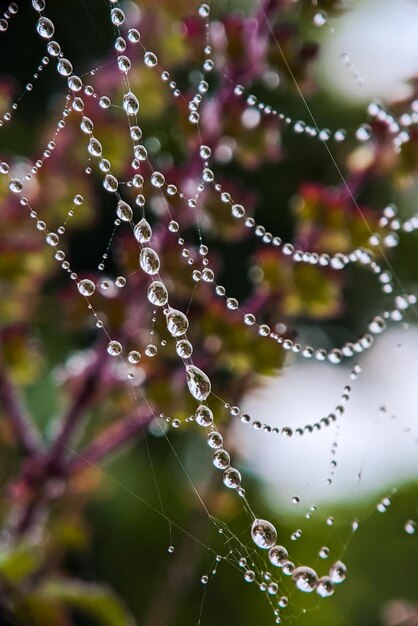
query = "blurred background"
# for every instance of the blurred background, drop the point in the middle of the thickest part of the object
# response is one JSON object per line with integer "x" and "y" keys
{"x": 88, "y": 543}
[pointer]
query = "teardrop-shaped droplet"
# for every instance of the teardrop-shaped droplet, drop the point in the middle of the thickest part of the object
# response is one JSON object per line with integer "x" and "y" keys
{"x": 143, "y": 231}
{"x": 94, "y": 147}
{"x": 203, "y": 416}
{"x": 124, "y": 211}
{"x": 130, "y": 103}
{"x": 198, "y": 382}
{"x": 177, "y": 323}
{"x": 263, "y": 534}
{"x": 157, "y": 293}
{"x": 305, "y": 578}
{"x": 149, "y": 261}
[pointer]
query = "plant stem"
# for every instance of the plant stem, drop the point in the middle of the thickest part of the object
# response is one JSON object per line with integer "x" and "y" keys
{"x": 23, "y": 427}
{"x": 110, "y": 441}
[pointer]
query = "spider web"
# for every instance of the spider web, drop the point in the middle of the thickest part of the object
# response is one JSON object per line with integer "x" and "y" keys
{"x": 146, "y": 196}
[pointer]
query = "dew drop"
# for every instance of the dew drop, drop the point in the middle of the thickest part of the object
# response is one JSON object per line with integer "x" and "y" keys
{"x": 203, "y": 416}
{"x": 86, "y": 287}
{"x": 177, "y": 323}
{"x": 263, "y": 534}
{"x": 305, "y": 578}
{"x": 45, "y": 28}
{"x": 114, "y": 348}
{"x": 143, "y": 231}
{"x": 338, "y": 572}
{"x": 124, "y": 211}
{"x": 410, "y": 527}
{"x": 149, "y": 262}
{"x": 197, "y": 382}
{"x": 130, "y": 103}
{"x": 150, "y": 59}
{"x": 278, "y": 556}
{"x": 325, "y": 587}
{"x": 232, "y": 478}
{"x": 184, "y": 349}
{"x": 157, "y": 293}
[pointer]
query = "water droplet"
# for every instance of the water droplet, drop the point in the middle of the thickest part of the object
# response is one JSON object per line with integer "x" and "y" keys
{"x": 150, "y": 59}
{"x": 157, "y": 179}
{"x": 184, "y": 349}
{"x": 149, "y": 261}
{"x": 45, "y": 28}
{"x": 124, "y": 211}
{"x": 15, "y": 185}
{"x": 133, "y": 35}
{"x": 410, "y": 527}
{"x": 338, "y": 572}
{"x": 249, "y": 576}
{"x": 86, "y": 287}
{"x": 64, "y": 67}
{"x": 143, "y": 231}
{"x": 114, "y": 348}
{"x": 198, "y": 382}
{"x": 221, "y": 459}
{"x": 263, "y": 534}
{"x": 130, "y": 103}
{"x": 94, "y": 147}
{"x": 157, "y": 293}
{"x": 203, "y": 416}
{"x": 278, "y": 555}
{"x": 117, "y": 16}
{"x": 177, "y": 323}
{"x": 232, "y": 478}
{"x": 324, "y": 587}
{"x": 134, "y": 357}
{"x": 305, "y": 578}
{"x": 204, "y": 10}
{"x": 320, "y": 18}
{"x": 110, "y": 183}
{"x": 324, "y": 552}
{"x": 215, "y": 440}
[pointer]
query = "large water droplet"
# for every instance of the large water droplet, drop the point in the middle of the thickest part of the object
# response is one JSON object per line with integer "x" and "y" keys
{"x": 157, "y": 293}
{"x": 305, "y": 578}
{"x": 232, "y": 478}
{"x": 278, "y": 555}
{"x": 324, "y": 587}
{"x": 263, "y": 534}
{"x": 114, "y": 348}
{"x": 149, "y": 261}
{"x": 142, "y": 231}
{"x": 338, "y": 572}
{"x": 45, "y": 28}
{"x": 177, "y": 323}
{"x": 124, "y": 211}
{"x": 203, "y": 416}
{"x": 86, "y": 287}
{"x": 64, "y": 67}
{"x": 94, "y": 147}
{"x": 130, "y": 103}
{"x": 198, "y": 382}
{"x": 184, "y": 349}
